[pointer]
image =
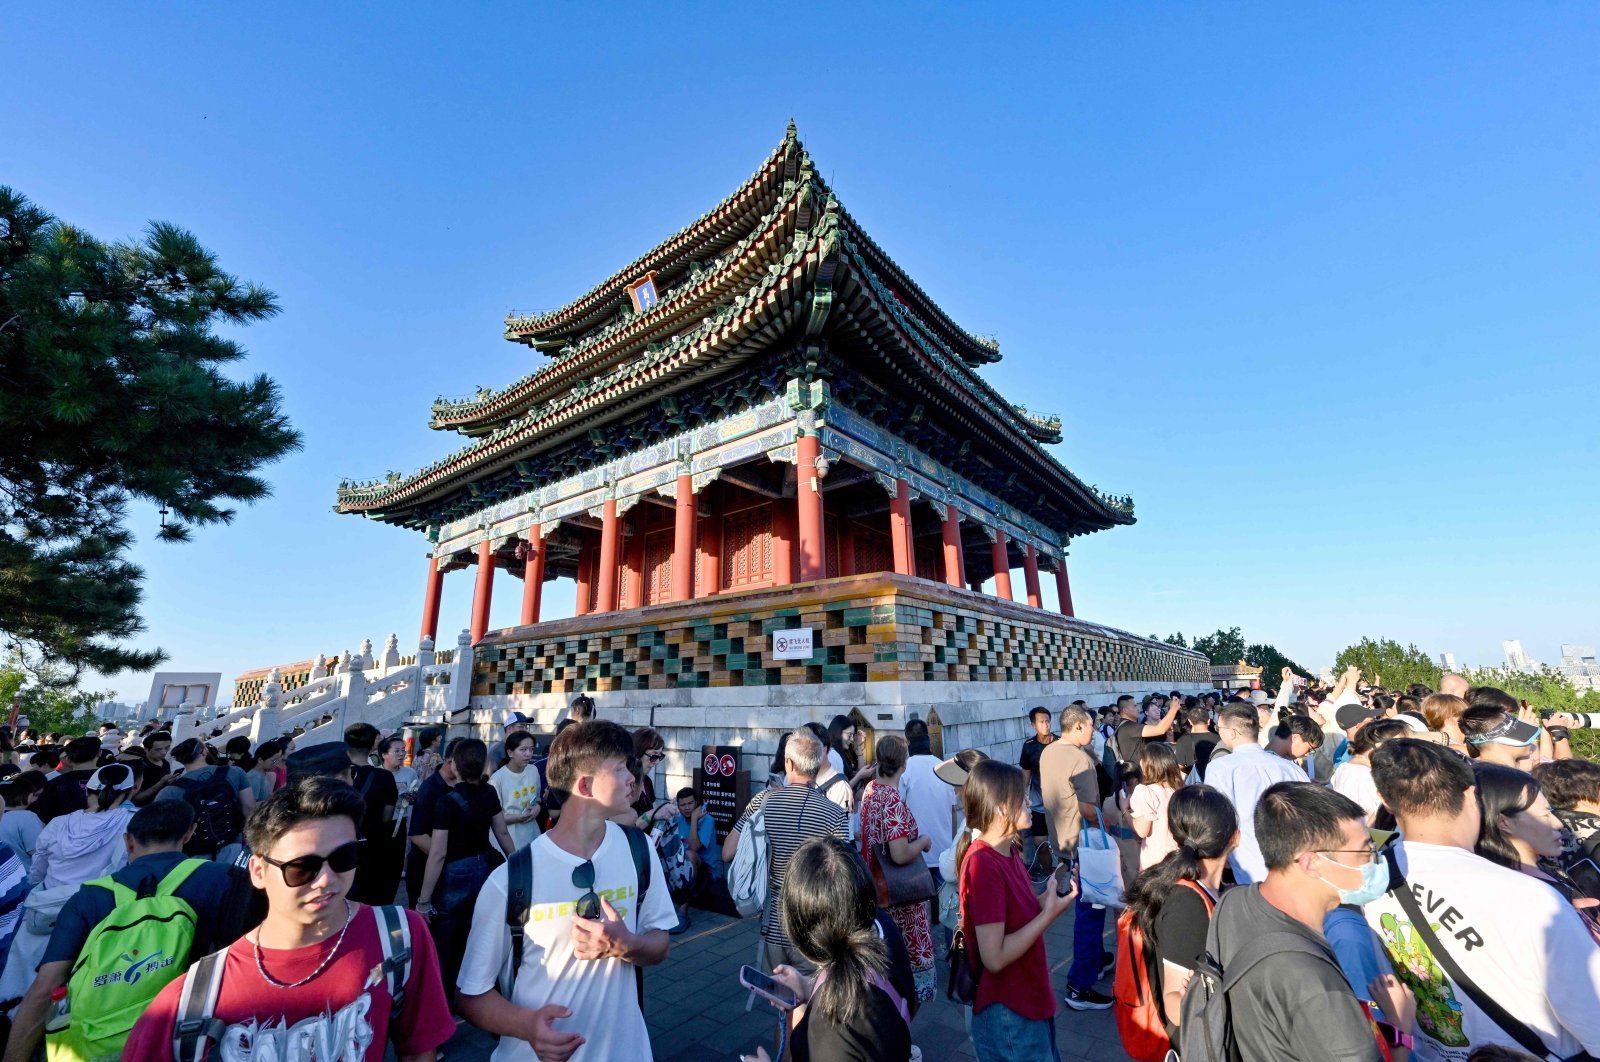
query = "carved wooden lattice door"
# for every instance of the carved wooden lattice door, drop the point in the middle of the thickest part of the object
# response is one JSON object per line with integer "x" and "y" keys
{"x": 930, "y": 562}
{"x": 874, "y": 551}
{"x": 658, "y": 566}
{"x": 747, "y": 547}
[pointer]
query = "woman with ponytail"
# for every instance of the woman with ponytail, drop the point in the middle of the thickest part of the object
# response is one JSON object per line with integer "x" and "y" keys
{"x": 852, "y": 1012}
{"x": 1172, "y": 900}
{"x": 1013, "y": 1012}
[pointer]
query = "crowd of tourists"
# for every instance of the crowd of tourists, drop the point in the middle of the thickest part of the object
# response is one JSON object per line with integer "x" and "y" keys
{"x": 1345, "y": 873}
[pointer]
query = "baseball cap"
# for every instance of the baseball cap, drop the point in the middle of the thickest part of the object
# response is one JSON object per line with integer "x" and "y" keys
{"x": 1350, "y": 716}
{"x": 516, "y": 718}
{"x": 1258, "y": 697}
{"x": 1509, "y": 731}
{"x": 325, "y": 760}
{"x": 118, "y": 777}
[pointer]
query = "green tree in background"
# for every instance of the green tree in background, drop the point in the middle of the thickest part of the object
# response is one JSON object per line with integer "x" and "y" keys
{"x": 1223, "y": 647}
{"x": 1177, "y": 639}
{"x": 1272, "y": 664}
{"x": 49, "y": 702}
{"x": 1387, "y": 661}
{"x": 111, "y": 391}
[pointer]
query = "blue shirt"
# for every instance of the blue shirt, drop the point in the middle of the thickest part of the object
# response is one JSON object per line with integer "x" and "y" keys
{"x": 1242, "y": 776}
{"x": 710, "y": 850}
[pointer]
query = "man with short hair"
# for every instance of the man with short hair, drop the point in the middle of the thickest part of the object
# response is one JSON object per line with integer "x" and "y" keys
{"x": 154, "y": 840}
{"x": 1131, "y": 734}
{"x": 1072, "y": 797}
{"x": 793, "y": 814}
{"x": 1195, "y": 747}
{"x": 67, "y": 791}
{"x": 1242, "y": 776}
{"x": 1296, "y": 739}
{"x": 581, "y": 950}
{"x": 1028, "y": 760}
{"x": 378, "y": 877}
{"x": 314, "y": 973}
{"x": 152, "y": 770}
{"x": 192, "y": 786}
{"x": 933, "y": 803}
{"x": 1516, "y": 939}
{"x": 433, "y": 789}
{"x": 1294, "y": 1004}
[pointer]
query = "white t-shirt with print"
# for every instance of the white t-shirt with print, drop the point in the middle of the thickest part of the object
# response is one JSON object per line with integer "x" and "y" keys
{"x": 601, "y": 993}
{"x": 1519, "y": 940}
{"x": 518, "y": 793}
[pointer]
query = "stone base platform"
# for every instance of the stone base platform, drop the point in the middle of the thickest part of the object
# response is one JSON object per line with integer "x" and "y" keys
{"x": 887, "y": 647}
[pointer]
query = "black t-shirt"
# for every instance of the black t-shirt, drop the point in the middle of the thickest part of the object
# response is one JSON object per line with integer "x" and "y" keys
{"x": 64, "y": 793}
{"x": 1129, "y": 741}
{"x": 468, "y": 813}
{"x": 205, "y": 890}
{"x": 429, "y": 793}
{"x": 376, "y": 785}
{"x": 1180, "y": 937}
{"x": 1194, "y": 750}
{"x": 1029, "y": 761}
{"x": 878, "y": 1034}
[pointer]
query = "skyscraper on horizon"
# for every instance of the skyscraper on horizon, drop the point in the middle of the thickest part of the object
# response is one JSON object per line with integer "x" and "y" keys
{"x": 1447, "y": 661}
{"x": 1580, "y": 667}
{"x": 1516, "y": 658}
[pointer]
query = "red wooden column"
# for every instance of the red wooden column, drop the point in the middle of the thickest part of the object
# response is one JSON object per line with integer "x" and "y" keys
{"x": 712, "y": 543}
{"x": 813, "y": 551}
{"x": 1064, "y": 587}
{"x": 483, "y": 590}
{"x": 905, "y": 562}
{"x": 1030, "y": 570}
{"x": 610, "y": 532}
{"x": 683, "y": 540}
{"x": 633, "y": 567}
{"x": 532, "y": 576}
{"x": 585, "y": 575}
{"x": 951, "y": 532}
{"x": 430, "y": 600}
{"x": 1002, "y": 565}
{"x": 782, "y": 543}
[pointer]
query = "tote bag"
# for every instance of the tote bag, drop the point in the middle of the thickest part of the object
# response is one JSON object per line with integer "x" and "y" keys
{"x": 1099, "y": 868}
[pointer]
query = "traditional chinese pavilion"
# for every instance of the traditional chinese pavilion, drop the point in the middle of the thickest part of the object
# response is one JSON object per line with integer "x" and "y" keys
{"x": 763, "y": 424}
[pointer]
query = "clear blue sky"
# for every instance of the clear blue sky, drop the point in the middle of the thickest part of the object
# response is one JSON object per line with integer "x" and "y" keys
{"x": 1317, "y": 285}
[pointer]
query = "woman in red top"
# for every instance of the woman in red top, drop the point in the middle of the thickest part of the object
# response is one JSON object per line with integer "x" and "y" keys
{"x": 1013, "y": 1015}
{"x": 886, "y": 820}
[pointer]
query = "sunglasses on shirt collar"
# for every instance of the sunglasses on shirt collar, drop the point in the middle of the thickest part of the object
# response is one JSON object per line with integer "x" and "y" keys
{"x": 588, "y": 904}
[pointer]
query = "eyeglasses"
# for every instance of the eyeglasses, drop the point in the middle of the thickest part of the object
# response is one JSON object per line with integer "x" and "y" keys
{"x": 588, "y": 904}
{"x": 654, "y": 756}
{"x": 1370, "y": 852}
{"x": 300, "y": 872}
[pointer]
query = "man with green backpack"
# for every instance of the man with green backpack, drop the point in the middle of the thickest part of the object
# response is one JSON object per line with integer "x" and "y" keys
{"x": 120, "y": 940}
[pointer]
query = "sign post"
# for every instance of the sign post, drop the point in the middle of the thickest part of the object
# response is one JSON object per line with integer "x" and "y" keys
{"x": 723, "y": 787}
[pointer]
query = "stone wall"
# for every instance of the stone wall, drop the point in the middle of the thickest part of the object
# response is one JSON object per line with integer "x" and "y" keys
{"x": 888, "y": 647}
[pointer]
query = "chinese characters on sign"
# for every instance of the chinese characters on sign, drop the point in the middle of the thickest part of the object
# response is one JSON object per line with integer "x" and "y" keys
{"x": 792, "y": 645}
{"x": 724, "y": 789}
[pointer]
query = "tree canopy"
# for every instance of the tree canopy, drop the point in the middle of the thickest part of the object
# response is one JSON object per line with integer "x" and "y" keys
{"x": 111, "y": 390}
{"x": 1386, "y": 661}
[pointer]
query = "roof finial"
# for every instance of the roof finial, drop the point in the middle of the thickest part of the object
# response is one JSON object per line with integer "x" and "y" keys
{"x": 792, "y": 132}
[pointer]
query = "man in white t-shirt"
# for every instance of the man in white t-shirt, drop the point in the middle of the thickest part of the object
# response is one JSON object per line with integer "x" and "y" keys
{"x": 576, "y": 987}
{"x": 1519, "y": 941}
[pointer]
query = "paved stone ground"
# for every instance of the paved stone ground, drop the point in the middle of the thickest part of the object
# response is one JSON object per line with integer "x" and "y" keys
{"x": 696, "y": 1010}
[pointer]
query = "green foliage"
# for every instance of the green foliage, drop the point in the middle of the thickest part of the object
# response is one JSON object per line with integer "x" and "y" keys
{"x": 110, "y": 391}
{"x": 1222, "y": 647}
{"x": 51, "y": 704}
{"x": 1546, "y": 688}
{"x": 1176, "y": 639}
{"x": 1272, "y": 664}
{"x": 1384, "y": 661}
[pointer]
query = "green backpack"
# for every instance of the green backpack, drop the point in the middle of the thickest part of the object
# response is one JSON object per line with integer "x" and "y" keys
{"x": 129, "y": 957}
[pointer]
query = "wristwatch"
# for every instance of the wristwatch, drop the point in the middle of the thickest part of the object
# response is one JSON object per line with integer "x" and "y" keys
{"x": 1394, "y": 1037}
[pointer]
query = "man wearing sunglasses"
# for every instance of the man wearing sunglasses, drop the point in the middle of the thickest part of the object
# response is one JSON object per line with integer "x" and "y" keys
{"x": 587, "y": 928}
{"x": 318, "y": 970}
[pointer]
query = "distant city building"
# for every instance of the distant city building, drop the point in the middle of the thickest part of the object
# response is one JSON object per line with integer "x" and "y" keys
{"x": 1447, "y": 661}
{"x": 116, "y": 712}
{"x": 1516, "y": 658}
{"x": 1579, "y": 666}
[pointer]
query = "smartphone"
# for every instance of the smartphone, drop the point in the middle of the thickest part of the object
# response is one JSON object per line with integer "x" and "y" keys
{"x": 767, "y": 988}
{"x": 1297, "y": 681}
{"x": 1586, "y": 876}
{"x": 1066, "y": 876}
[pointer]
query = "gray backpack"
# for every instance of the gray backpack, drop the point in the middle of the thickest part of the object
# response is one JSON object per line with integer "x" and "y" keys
{"x": 1206, "y": 1032}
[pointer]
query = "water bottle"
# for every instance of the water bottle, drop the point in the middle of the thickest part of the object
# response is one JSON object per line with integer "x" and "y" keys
{"x": 59, "y": 1015}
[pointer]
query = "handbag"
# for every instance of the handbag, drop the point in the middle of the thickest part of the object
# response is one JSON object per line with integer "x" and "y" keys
{"x": 1099, "y": 868}
{"x": 902, "y": 883}
{"x": 961, "y": 986}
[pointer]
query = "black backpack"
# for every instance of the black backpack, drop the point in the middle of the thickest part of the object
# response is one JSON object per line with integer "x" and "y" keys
{"x": 218, "y": 815}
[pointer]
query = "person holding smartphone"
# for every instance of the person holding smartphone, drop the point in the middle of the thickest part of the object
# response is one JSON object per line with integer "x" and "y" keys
{"x": 851, "y": 1010}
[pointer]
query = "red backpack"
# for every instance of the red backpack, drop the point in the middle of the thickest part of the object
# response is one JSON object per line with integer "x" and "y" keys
{"x": 1140, "y": 1020}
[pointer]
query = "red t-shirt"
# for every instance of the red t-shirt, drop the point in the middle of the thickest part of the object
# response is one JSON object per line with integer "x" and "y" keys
{"x": 345, "y": 1007}
{"x": 995, "y": 888}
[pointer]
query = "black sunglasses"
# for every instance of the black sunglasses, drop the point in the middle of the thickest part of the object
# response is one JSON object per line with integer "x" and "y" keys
{"x": 304, "y": 870}
{"x": 588, "y": 905}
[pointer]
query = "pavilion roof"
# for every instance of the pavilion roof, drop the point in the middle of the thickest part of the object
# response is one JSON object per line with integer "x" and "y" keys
{"x": 751, "y": 292}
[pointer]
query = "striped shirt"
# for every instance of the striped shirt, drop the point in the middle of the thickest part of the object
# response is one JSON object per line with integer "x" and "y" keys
{"x": 794, "y": 814}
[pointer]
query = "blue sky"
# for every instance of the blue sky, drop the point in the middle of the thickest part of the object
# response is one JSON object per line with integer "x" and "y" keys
{"x": 1315, "y": 284}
